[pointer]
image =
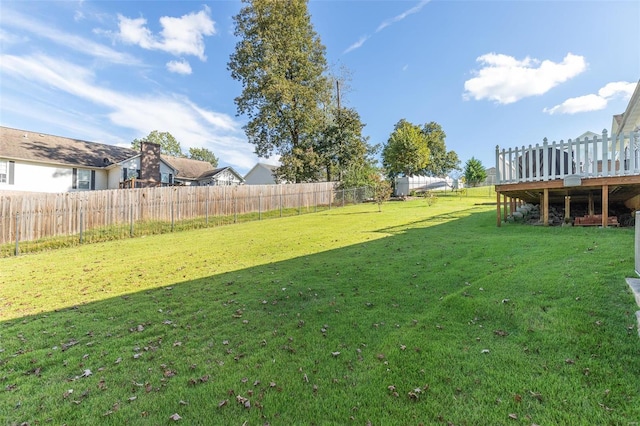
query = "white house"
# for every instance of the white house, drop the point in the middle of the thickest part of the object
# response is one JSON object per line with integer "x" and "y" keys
{"x": 261, "y": 174}
{"x": 37, "y": 162}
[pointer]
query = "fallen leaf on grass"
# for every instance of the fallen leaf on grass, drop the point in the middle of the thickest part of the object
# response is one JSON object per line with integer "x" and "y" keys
{"x": 513, "y": 416}
{"x": 335, "y": 353}
{"x": 223, "y": 403}
{"x": 175, "y": 417}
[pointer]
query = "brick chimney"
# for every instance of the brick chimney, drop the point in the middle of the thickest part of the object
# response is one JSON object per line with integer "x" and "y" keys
{"x": 150, "y": 161}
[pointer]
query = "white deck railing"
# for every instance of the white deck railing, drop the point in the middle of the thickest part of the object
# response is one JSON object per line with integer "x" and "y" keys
{"x": 599, "y": 156}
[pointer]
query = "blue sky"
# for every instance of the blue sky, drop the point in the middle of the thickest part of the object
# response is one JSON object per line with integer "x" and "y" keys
{"x": 505, "y": 73}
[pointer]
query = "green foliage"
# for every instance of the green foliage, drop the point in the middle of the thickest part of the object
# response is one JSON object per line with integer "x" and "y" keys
{"x": 441, "y": 161}
{"x": 381, "y": 190}
{"x": 280, "y": 62}
{"x": 342, "y": 145}
{"x": 168, "y": 144}
{"x": 474, "y": 172}
{"x": 413, "y": 150}
{"x": 203, "y": 154}
{"x": 406, "y": 152}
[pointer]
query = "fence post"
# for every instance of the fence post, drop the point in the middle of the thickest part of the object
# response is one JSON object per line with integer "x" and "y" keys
{"x": 300, "y": 203}
{"x": 315, "y": 201}
{"x": 235, "y": 209}
{"x": 330, "y": 198}
{"x": 131, "y": 220}
{"x": 280, "y": 201}
{"x": 81, "y": 223}
{"x": 17, "y": 251}
{"x": 343, "y": 198}
{"x": 206, "y": 206}
{"x": 260, "y": 206}
{"x": 173, "y": 204}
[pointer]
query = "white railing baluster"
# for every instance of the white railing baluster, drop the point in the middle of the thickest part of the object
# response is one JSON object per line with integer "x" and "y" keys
{"x": 545, "y": 160}
{"x": 517, "y": 166}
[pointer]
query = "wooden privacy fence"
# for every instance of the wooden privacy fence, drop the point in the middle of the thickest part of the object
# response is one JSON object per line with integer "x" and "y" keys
{"x": 598, "y": 156}
{"x": 29, "y": 216}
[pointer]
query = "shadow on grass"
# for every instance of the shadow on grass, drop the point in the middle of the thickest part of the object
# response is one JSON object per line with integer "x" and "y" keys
{"x": 332, "y": 337}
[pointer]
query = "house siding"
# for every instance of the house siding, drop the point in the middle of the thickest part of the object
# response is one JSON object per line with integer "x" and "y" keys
{"x": 260, "y": 175}
{"x": 28, "y": 176}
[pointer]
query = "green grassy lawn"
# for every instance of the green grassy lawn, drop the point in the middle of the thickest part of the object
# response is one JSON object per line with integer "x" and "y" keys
{"x": 419, "y": 314}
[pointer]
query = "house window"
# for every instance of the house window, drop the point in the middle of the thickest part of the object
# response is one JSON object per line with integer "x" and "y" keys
{"x": 130, "y": 173}
{"x": 84, "y": 179}
{"x": 4, "y": 171}
{"x": 166, "y": 178}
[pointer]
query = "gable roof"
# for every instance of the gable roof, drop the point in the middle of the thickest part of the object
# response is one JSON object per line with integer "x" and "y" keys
{"x": 38, "y": 147}
{"x": 629, "y": 120}
{"x": 188, "y": 168}
{"x": 219, "y": 170}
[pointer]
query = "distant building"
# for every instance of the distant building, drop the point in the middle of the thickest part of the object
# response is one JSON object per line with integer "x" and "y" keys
{"x": 261, "y": 174}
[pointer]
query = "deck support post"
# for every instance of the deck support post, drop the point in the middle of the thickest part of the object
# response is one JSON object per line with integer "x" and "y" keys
{"x": 504, "y": 203}
{"x": 591, "y": 207}
{"x": 605, "y": 205}
{"x": 567, "y": 207}
{"x": 545, "y": 207}
{"x": 499, "y": 221}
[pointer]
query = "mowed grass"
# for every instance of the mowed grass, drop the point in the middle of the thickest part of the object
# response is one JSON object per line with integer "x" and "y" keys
{"x": 419, "y": 314}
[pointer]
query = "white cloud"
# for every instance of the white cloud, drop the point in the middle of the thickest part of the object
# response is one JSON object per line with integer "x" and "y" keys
{"x": 68, "y": 41}
{"x": 191, "y": 124}
{"x": 505, "y": 80}
{"x": 594, "y": 102}
{"x": 357, "y": 44}
{"x": 417, "y": 8}
{"x": 179, "y": 67}
{"x": 403, "y": 15}
{"x": 179, "y": 36}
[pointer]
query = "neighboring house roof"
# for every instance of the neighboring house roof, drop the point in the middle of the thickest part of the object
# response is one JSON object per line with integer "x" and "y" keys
{"x": 38, "y": 147}
{"x": 188, "y": 169}
{"x": 213, "y": 173}
{"x": 629, "y": 120}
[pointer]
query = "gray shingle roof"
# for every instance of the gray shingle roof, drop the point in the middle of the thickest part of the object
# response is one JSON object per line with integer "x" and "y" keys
{"x": 187, "y": 167}
{"x": 38, "y": 147}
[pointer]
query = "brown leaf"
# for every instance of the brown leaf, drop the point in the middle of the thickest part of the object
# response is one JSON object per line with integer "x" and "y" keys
{"x": 517, "y": 398}
{"x": 223, "y": 403}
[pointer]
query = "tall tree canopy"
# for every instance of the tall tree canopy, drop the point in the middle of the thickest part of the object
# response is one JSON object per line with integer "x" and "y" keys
{"x": 441, "y": 161}
{"x": 342, "y": 145}
{"x": 203, "y": 154}
{"x": 406, "y": 152}
{"x": 168, "y": 144}
{"x": 280, "y": 62}
{"x": 474, "y": 172}
{"x": 414, "y": 150}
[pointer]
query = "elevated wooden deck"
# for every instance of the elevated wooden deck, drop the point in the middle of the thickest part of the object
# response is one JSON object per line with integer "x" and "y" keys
{"x": 606, "y": 170}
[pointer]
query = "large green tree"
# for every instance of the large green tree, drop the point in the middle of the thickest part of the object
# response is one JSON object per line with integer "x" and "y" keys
{"x": 441, "y": 161}
{"x": 342, "y": 144}
{"x": 168, "y": 144}
{"x": 281, "y": 62}
{"x": 406, "y": 152}
{"x": 474, "y": 172}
